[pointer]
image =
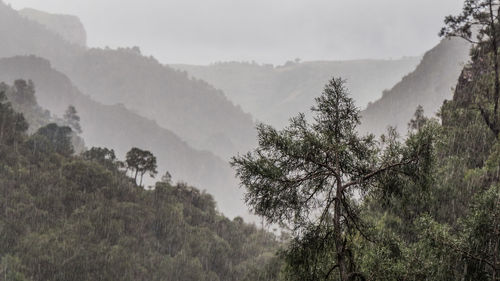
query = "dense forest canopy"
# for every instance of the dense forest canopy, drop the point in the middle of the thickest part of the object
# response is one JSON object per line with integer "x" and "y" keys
{"x": 80, "y": 217}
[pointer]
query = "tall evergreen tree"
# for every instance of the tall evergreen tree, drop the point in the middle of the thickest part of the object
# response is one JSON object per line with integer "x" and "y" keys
{"x": 309, "y": 177}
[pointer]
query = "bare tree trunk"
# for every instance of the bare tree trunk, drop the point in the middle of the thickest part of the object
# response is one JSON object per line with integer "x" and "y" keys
{"x": 142, "y": 175}
{"x": 337, "y": 225}
{"x": 339, "y": 245}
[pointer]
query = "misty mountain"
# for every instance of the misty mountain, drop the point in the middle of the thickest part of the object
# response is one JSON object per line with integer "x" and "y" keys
{"x": 116, "y": 127}
{"x": 275, "y": 93}
{"x": 67, "y": 26}
{"x": 429, "y": 85}
{"x": 192, "y": 109}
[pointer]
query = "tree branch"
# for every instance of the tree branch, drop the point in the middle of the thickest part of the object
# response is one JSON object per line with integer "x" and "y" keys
{"x": 375, "y": 173}
{"x": 330, "y": 271}
{"x": 486, "y": 118}
{"x": 354, "y": 220}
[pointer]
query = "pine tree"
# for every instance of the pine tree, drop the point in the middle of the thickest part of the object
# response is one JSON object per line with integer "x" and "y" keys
{"x": 308, "y": 178}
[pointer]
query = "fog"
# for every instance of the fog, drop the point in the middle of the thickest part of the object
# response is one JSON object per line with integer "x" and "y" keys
{"x": 267, "y": 31}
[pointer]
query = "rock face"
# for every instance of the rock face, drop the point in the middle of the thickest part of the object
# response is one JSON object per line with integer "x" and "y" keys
{"x": 68, "y": 27}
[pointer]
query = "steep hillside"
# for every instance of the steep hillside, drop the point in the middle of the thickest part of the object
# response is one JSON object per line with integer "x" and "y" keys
{"x": 429, "y": 85}
{"x": 192, "y": 109}
{"x": 67, "y": 217}
{"x": 272, "y": 94}
{"x": 67, "y": 26}
{"x": 118, "y": 128}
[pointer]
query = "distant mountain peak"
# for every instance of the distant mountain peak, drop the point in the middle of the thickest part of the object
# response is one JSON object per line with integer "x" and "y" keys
{"x": 69, "y": 27}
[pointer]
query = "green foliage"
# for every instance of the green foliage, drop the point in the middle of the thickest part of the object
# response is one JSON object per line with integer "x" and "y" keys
{"x": 10, "y": 269}
{"x": 67, "y": 217}
{"x": 103, "y": 156}
{"x": 88, "y": 177}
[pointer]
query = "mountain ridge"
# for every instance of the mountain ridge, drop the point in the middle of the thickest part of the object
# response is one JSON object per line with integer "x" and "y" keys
{"x": 274, "y": 93}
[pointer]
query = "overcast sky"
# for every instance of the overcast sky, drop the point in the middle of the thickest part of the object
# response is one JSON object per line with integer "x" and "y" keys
{"x": 267, "y": 31}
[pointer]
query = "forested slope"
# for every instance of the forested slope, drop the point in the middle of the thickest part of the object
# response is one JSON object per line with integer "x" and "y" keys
{"x": 69, "y": 217}
{"x": 450, "y": 229}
